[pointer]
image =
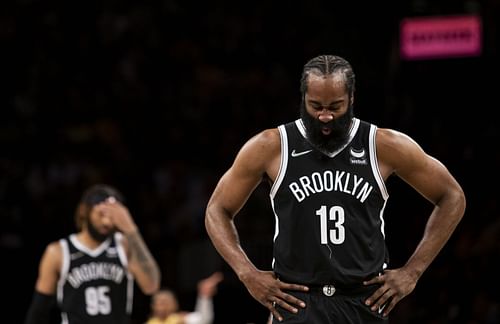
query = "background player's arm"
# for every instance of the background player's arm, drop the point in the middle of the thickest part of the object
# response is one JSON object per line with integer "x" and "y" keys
{"x": 49, "y": 269}
{"x": 141, "y": 262}
{"x": 46, "y": 285}
{"x": 399, "y": 154}
{"x": 258, "y": 157}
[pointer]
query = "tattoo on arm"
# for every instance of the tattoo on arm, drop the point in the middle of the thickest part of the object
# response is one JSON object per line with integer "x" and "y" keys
{"x": 141, "y": 254}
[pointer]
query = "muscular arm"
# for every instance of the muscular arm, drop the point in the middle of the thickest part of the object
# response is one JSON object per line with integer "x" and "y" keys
{"x": 400, "y": 155}
{"x": 258, "y": 157}
{"x": 232, "y": 192}
{"x": 433, "y": 181}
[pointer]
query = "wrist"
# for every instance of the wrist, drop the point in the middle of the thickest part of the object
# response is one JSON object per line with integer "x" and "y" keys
{"x": 246, "y": 274}
{"x": 130, "y": 230}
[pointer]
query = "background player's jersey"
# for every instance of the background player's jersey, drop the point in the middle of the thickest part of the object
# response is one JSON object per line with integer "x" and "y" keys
{"x": 329, "y": 209}
{"x": 95, "y": 285}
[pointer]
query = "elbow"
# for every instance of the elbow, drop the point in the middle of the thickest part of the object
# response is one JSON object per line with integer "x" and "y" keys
{"x": 153, "y": 285}
{"x": 461, "y": 202}
{"x": 151, "y": 288}
{"x": 457, "y": 202}
{"x": 209, "y": 218}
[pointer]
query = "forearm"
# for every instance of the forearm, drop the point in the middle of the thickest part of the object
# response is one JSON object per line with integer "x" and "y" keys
{"x": 224, "y": 236}
{"x": 147, "y": 272}
{"x": 440, "y": 226}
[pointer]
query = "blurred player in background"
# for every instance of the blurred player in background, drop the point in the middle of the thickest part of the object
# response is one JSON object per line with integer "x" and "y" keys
{"x": 90, "y": 274}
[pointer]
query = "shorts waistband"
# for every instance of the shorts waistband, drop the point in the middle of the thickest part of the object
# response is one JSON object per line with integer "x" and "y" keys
{"x": 330, "y": 290}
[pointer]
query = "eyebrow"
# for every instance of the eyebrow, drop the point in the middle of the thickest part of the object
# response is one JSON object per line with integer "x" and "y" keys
{"x": 321, "y": 104}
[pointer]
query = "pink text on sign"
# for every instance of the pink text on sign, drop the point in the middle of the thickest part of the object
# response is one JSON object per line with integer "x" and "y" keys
{"x": 440, "y": 37}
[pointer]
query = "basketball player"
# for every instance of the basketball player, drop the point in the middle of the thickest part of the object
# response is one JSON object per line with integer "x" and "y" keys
{"x": 327, "y": 172}
{"x": 91, "y": 272}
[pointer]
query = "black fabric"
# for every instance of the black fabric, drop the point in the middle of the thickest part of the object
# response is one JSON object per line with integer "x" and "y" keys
{"x": 40, "y": 309}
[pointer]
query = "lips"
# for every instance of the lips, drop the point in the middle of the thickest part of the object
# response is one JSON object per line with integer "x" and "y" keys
{"x": 326, "y": 130}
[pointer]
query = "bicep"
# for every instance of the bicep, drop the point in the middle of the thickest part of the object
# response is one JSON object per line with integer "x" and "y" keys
{"x": 235, "y": 187}
{"x": 49, "y": 270}
{"x": 249, "y": 167}
{"x": 429, "y": 177}
{"x": 424, "y": 173}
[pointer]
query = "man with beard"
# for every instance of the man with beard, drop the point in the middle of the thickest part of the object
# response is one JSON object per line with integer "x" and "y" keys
{"x": 91, "y": 272}
{"x": 327, "y": 172}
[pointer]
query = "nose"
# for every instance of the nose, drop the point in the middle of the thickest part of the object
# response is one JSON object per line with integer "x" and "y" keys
{"x": 325, "y": 116}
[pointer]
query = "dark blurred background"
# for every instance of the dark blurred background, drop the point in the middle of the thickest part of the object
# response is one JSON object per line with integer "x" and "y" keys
{"x": 156, "y": 98}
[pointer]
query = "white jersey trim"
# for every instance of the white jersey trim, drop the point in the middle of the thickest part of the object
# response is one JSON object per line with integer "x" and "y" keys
{"x": 279, "y": 178}
{"x": 93, "y": 253}
{"x": 374, "y": 162}
{"x": 66, "y": 259}
{"x": 377, "y": 175}
{"x": 124, "y": 260}
{"x": 283, "y": 161}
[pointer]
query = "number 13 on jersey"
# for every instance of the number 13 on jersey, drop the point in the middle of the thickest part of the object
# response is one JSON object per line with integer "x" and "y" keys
{"x": 336, "y": 233}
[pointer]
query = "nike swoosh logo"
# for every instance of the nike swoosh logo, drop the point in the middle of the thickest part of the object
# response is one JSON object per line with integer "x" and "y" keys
{"x": 295, "y": 154}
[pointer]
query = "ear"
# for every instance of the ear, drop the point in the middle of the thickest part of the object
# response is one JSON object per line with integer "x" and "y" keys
{"x": 351, "y": 101}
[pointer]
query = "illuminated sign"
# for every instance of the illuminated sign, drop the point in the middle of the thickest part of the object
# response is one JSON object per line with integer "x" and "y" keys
{"x": 440, "y": 37}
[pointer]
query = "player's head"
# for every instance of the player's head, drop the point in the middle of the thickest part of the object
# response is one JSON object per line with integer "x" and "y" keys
{"x": 164, "y": 303}
{"x": 87, "y": 217}
{"x": 327, "y": 88}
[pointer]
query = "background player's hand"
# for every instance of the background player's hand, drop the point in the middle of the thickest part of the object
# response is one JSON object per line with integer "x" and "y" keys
{"x": 119, "y": 215}
{"x": 208, "y": 287}
{"x": 269, "y": 291}
{"x": 394, "y": 285}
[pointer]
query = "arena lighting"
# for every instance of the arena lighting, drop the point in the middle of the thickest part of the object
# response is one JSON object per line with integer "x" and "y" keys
{"x": 434, "y": 37}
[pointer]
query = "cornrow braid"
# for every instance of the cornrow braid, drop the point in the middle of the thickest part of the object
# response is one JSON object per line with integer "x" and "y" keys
{"x": 327, "y": 65}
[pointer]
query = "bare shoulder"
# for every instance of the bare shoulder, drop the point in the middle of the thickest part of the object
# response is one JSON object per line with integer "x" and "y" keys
{"x": 49, "y": 269}
{"x": 268, "y": 139}
{"x": 261, "y": 146}
{"x": 396, "y": 150}
{"x": 259, "y": 155}
{"x": 54, "y": 251}
{"x": 390, "y": 139}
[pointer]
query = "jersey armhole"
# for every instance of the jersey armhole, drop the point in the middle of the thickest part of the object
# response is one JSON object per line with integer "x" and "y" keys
{"x": 283, "y": 161}
{"x": 374, "y": 162}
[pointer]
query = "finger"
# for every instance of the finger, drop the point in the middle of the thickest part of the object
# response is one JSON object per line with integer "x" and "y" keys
{"x": 288, "y": 286}
{"x": 375, "y": 280}
{"x": 390, "y": 306}
{"x": 292, "y": 300}
{"x": 381, "y": 302}
{"x": 376, "y": 295}
{"x": 283, "y": 304}
{"x": 274, "y": 311}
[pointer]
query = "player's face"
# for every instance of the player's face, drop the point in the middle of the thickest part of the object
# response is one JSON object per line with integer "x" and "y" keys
{"x": 327, "y": 111}
{"x": 100, "y": 225}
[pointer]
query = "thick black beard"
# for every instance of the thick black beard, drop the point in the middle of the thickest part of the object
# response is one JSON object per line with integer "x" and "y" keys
{"x": 94, "y": 233}
{"x": 339, "y": 130}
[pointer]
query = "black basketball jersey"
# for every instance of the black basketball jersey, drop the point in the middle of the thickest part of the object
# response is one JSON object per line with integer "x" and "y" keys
{"x": 95, "y": 286}
{"x": 329, "y": 209}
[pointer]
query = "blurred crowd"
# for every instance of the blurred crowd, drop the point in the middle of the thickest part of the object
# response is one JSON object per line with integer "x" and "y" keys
{"x": 155, "y": 97}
